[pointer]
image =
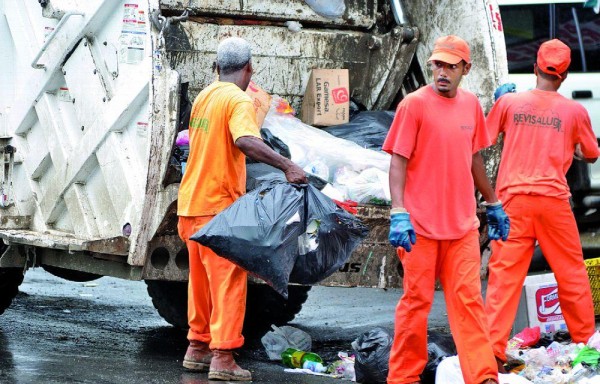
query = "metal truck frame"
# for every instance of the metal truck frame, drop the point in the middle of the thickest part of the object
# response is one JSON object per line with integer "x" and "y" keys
{"x": 91, "y": 103}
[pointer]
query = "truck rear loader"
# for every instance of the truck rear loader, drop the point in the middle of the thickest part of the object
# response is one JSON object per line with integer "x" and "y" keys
{"x": 91, "y": 100}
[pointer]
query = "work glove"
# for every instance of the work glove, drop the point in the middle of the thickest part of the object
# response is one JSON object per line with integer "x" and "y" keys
{"x": 498, "y": 222}
{"x": 503, "y": 89}
{"x": 402, "y": 233}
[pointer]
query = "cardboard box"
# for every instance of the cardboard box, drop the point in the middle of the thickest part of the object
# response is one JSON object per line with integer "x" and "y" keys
{"x": 539, "y": 305}
{"x": 261, "y": 100}
{"x": 327, "y": 98}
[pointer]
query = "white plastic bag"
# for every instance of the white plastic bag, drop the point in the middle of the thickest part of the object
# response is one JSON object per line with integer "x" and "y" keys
{"x": 282, "y": 338}
{"x": 336, "y": 160}
{"x": 371, "y": 186}
{"x": 448, "y": 372}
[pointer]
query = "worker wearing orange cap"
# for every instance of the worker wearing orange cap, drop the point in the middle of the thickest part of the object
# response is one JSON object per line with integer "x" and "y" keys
{"x": 434, "y": 141}
{"x": 542, "y": 132}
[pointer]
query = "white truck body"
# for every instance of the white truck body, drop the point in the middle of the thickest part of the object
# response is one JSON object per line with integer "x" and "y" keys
{"x": 89, "y": 111}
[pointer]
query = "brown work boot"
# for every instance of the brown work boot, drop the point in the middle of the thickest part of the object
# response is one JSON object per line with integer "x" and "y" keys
{"x": 223, "y": 367}
{"x": 197, "y": 357}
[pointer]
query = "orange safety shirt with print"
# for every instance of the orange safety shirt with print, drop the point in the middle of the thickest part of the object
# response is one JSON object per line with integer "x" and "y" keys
{"x": 215, "y": 174}
{"x": 438, "y": 136}
{"x": 541, "y": 129}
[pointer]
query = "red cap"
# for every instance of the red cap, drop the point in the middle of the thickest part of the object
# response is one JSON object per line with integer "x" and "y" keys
{"x": 554, "y": 57}
{"x": 451, "y": 49}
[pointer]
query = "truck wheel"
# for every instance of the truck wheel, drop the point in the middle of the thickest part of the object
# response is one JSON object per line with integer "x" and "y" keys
{"x": 264, "y": 306}
{"x": 71, "y": 275}
{"x": 10, "y": 279}
{"x": 170, "y": 300}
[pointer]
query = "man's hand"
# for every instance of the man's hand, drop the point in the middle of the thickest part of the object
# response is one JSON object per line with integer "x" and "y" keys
{"x": 503, "y": 89}
{"x": 578, "y": 155}
{"x": 402, "y": 233}
{"x": 295, "y": 175}
{"x": 498, "y": 222}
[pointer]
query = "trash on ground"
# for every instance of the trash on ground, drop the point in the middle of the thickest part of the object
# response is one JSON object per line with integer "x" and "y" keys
{"x": 372, "y": 354}
{"x": 560, "y": 362}
{"x": 440, "y": 345}
{"x": 295, "y": 358}
{"x": 344, "y": 367}
{"x": 448, "y": 372}
{"x": 284, "y": 337}
{"x": 310, "y": 363}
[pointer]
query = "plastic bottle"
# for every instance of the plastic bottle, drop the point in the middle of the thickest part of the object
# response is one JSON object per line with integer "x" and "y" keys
{"x": 314, "y": 366}
{"x": 295, "y": 358}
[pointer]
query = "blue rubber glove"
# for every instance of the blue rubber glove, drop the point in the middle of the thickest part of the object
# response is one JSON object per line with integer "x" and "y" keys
{"x": 402, "y": 233}
{"x": 503, "y": 89}
{"x": 498, "y": 222}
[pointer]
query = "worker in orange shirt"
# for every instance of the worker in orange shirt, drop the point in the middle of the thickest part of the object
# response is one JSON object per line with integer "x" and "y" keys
{"x": 542, "y": 131}
{"x": 435, "y": 141}
{"x": 223, "y": 131}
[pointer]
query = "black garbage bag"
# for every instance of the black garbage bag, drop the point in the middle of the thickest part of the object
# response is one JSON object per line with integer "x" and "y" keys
{"x": 329, "y": 233}
{"x": 275, "y": 143}
{"x": 439, "y": 346}
{"x": 258, "y": 173}
{"x": 372, "y": 355}
{"x": 265, "y": 232}
{"x": 367, "y": 129}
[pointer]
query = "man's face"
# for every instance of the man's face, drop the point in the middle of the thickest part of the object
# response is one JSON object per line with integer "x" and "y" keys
{"x": 447, "y": 77}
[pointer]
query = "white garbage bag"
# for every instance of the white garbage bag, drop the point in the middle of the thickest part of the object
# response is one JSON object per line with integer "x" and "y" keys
{"x": 448, "y": 372}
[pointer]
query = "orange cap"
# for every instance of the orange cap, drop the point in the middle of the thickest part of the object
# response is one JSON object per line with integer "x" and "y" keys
{"x": 554, "y": 57}
{"x": 451, "y": 49}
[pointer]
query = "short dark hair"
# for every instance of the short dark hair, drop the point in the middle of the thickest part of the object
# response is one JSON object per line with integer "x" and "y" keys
{"x": 548, "y": 76}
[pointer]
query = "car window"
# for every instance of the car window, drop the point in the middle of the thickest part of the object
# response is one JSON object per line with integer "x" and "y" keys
{"x": 527, "y": 26}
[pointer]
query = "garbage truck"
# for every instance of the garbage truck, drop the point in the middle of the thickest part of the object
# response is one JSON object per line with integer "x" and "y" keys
{"x": 93, "y": 94}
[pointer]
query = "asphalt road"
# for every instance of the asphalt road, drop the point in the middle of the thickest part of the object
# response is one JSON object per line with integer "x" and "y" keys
{"x": 107, "y": 331}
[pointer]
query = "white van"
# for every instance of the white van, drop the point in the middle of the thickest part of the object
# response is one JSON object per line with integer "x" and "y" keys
{"x": 526, "y": 25}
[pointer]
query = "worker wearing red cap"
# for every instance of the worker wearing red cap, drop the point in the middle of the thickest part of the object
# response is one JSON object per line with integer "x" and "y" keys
{"x": 434, "y": 141}
{"x": 542, "y": 132}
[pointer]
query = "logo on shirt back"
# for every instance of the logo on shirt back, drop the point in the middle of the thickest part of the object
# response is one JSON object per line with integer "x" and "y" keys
{"x": 529, "y": 116}
{"x": 199, "y": 123}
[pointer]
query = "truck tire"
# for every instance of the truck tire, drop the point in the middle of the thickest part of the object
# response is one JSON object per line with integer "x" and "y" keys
{"x": 170, "y": 300}
{"x": 71, "y": 275}
{"x": 10, "y": 279}
{"x": 264, "y": 306}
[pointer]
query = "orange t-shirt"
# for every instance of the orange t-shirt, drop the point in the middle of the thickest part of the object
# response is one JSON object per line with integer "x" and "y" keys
{"x": 439, "y": 136}
{"x": 215, "y": 174}
{"x": 541, "y": 129}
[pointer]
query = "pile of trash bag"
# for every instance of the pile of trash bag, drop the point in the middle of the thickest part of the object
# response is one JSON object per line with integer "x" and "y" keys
{"x": 539, "y": 358}
{"x": 282, "y": 233}
{"x": 372, "y": 355}
{"x": 367, "y": 128}
{"x": 355, "y": 173}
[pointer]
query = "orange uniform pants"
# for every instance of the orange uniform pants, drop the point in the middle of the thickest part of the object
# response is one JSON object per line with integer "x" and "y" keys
{"x": 551, "y": 222}
{"x": 216, "y": 292}
{"x": 457, "y": 264}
